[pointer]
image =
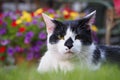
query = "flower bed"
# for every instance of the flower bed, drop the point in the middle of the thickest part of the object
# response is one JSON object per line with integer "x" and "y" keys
{"x": 23, "y": 34}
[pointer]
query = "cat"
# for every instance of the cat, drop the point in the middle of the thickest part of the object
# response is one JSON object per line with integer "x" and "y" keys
{"x": 70, "y": 44}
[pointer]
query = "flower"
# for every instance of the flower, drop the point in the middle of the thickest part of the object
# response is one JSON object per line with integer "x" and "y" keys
{"x": 27, "y": 24}
{"x": 2, "y": 31}
{"x": 36, "y": 48}
{"x": 38, "y": 12}
{"x": 10, "y": 51}
{"x": 28, "y": 37}
{"x": 51, "y": 11}
{"x": 4, "y": 42}
{"x": 4, "y": 24}
{"x": 39, "y": 42}
{"x": 2, "y": 49}
{"x": 37, "y": 55}
{"x": 27, "y": 40}
{"x": 41, "y": 24}
{"x": 32, "y": 14}
{"x": 30, "y": 34}
{"x": 74, "y": 15}
{"x": 94, "y": 28}
{"x": 12, "y": 16}
{"x": 18, "y": 34}
{"x": 30, "y": 56}
{"x": 17, "y": 49}
{"x": 26, "y": 16}
{"x": 22, "y": 29}
{"x": 19, "y": 21}
{"x": 14, "y": 24}
{"x": 1, "y": 22}
{"x": 1, "y": 15}
{"x": 34, "y": 21}
{"x": 42, "y": 35}
{"x": 52, "y": 15}
{"x": 2, "y": 58}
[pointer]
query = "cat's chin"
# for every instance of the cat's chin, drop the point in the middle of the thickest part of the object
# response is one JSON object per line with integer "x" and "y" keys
{"x": 68, "y": 55}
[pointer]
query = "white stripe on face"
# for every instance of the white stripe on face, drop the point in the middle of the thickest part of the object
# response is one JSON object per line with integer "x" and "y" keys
{"x": 69, "y": 34}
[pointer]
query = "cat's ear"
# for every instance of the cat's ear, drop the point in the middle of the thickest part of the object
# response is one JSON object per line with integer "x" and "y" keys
{"x": 49, "y": 23}
{"x": 91, "y": 17}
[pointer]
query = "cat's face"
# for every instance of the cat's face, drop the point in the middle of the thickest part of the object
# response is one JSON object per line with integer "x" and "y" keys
{"x": 68, "y": 38}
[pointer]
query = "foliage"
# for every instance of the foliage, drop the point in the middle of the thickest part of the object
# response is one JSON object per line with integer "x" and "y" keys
{"x": 107, "y": 72}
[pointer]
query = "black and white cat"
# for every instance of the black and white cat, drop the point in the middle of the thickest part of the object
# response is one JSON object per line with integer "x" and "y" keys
{"x": 70, "y": 44}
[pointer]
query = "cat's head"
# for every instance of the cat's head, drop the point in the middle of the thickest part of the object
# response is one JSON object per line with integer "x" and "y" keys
{"x": 68, "y": 37}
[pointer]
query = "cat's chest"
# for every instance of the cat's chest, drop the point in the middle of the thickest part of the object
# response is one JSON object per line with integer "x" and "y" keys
{"x": 57, "y": 63}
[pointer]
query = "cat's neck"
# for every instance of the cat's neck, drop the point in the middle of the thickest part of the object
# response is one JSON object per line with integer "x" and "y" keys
{"x": 86, "y": 54}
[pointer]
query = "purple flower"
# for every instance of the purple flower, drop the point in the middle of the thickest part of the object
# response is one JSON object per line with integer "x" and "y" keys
{"x": 57, "y": 16}
{"x": 34, "y": 22}
{"x": 29, "y": 34}
{"x": 4, "y": 42}
{"x": 4, "y": 24}
{"x": 2, "y": 31}
{"x": 1, "y": 21}
{"x": 42, "y": 35}
{"x": 37, "y": 17}
{"x": 19, "y": 34}
{"x": 30, "y": 56}
{"x": 17, "y": 49}
{"x": 51, "y": 11}
{"x": 10, "y": 51}
{"x": 27, "y": 24}
{"x": 5, "y": 14}
{"x": 36, "y": 48}
{"x": 12, "y": 16}
{"x": 41, "y": 25}
{"x": 94, "y": 36}
{"x": 39, "y": 42}
{"x": 37, "y": 55}
{"x": 27, "y": 40}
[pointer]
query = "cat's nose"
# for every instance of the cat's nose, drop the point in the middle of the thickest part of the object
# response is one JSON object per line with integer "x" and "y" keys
{"x": 69, "y": 43}
{"x": 70, "y": 46}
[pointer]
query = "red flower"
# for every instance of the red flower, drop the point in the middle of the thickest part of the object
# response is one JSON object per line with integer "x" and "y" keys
{"x": 18, "y": 11}
{"x": 1, "y": 15}
{"x": 1, "y": 22}
{"x": 2, "y": 58}
{"x": 14, "y": 24}
{"x": 32, "y": 14}
{"x": 66, "y": 16}
{"x": 22, "y": 29}
{"x": 2, "y": 49}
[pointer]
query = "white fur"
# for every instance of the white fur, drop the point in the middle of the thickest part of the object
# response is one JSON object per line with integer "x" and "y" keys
{"x": 56, "y": 58}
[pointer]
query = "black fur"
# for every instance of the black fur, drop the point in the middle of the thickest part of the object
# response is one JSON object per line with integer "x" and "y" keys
{"x": 82, "y": 30}
{"x": 79, "y": 27}
{"x": 60, "y": 30}
{"x": 97, "y": 56}
{"x": 111, "y": 53}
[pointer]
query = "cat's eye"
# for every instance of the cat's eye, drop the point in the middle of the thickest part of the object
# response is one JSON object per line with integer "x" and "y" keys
{"x": 77, "y": 37}
{"x": 60, "y": 37}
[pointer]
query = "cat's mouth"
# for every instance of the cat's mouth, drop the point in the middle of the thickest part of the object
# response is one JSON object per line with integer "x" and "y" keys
{"x": 69, "y": 52}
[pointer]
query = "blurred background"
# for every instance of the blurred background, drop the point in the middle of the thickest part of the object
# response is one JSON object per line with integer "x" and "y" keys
{"x": 22, "y": 30}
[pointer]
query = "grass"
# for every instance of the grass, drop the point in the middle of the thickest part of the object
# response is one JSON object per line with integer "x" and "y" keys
{"x": 107, "y": 72}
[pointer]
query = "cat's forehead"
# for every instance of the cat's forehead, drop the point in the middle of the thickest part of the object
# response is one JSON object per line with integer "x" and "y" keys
{"x": 69, "y": 33}
{"x": 71, "y": 23}
{"x": 72, "y": 26}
